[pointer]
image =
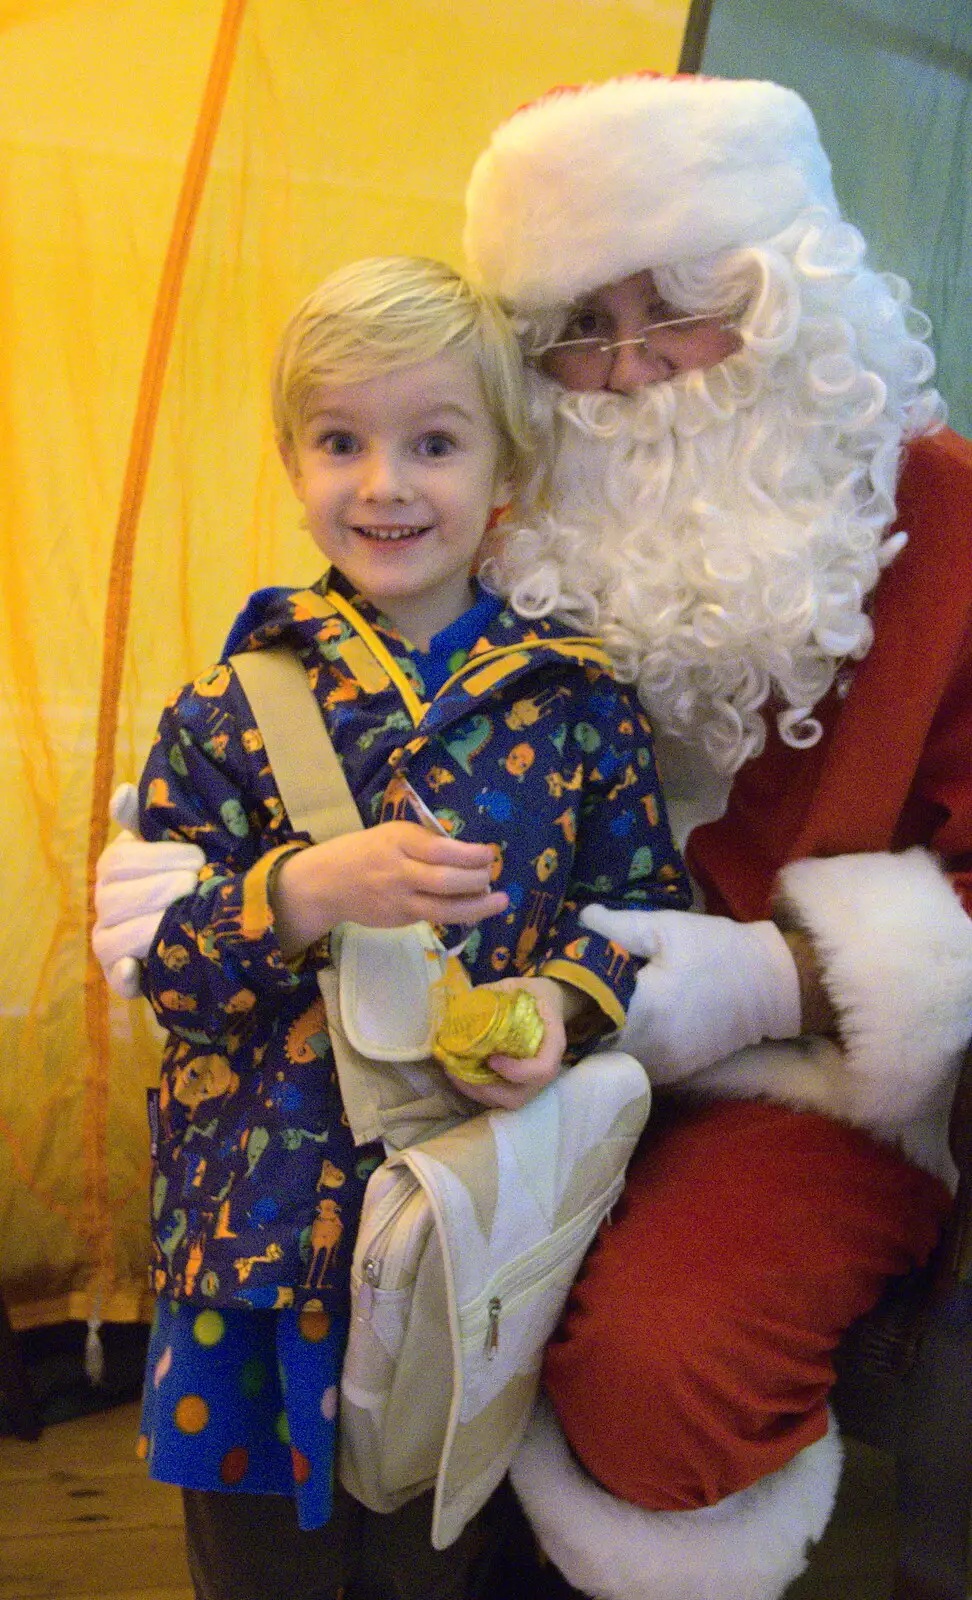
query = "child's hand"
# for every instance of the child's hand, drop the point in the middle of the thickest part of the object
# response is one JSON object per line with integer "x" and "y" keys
{"x": 382, "y": 877}
{"x": 520, "y": 1079}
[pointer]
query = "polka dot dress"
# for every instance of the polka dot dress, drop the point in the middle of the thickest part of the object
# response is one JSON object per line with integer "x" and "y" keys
{"x": 244, "y": 1400}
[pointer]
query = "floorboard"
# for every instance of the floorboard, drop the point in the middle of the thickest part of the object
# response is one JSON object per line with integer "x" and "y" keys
{"x": 81, "y": 1520}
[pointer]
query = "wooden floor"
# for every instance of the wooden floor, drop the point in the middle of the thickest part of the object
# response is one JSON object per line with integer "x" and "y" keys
{"x": 80, "y": 1520}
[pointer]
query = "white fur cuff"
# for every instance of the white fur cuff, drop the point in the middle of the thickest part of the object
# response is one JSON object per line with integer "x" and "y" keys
{"x": 896, "y": 949}
{"x": 749, "y": 1546}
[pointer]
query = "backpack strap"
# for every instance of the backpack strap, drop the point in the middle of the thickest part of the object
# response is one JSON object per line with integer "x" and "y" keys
{"x": 307, "y": 771}
{"x": 397, "y": 1102}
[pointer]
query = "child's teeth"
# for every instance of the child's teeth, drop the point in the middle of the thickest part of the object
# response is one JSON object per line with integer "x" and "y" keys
{"x": 389, "y": 533}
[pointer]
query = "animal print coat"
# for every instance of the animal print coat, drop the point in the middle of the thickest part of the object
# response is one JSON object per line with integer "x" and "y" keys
{"x": 529, "y": 744}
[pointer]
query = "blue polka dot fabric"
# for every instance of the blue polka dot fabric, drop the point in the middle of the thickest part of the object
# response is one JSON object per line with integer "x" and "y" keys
{"x": 244, "y": 1401}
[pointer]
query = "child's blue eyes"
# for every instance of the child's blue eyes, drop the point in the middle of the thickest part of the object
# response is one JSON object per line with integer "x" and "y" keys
{"x": 587, "y": 324}
{"x": 431, "y": 445}
{"x": 436, "y": 444}
{"x": 338, "y": 444}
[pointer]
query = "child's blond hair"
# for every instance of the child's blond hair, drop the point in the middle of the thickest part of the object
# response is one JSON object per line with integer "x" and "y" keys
{"x": 386, "y": 312}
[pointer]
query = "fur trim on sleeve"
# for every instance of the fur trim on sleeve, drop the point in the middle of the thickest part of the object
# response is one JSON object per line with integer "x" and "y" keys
{"x": 895, "y": 946}
{"x": 749, "y": 1546}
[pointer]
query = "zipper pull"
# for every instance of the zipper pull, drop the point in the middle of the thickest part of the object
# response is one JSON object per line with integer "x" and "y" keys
{"x": 492, "y": 1326}
{"x": 371, "y": 1278}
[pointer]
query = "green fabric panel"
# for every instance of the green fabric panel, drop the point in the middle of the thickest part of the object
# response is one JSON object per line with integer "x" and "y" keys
{"x": 890, "y": 84}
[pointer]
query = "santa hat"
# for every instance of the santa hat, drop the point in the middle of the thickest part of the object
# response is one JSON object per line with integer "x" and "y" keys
{"x": 590, "y": 184}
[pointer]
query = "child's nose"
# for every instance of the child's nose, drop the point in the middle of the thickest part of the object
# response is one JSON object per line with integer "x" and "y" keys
{"x": 384, "y": 477}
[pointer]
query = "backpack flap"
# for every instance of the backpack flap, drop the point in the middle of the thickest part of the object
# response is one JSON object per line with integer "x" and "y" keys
{"x": 387, "y": 977}
{"x": 398, "y": 1102}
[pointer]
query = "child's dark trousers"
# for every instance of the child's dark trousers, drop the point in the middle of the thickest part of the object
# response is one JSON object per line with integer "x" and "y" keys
{"x": 249, "y": 1547}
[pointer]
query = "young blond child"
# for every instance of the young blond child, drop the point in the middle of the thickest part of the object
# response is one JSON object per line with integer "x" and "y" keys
{"x": 402, "y": 425}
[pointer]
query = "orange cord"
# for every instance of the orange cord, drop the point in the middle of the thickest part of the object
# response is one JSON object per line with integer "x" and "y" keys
{"x": 98, "y": 1222}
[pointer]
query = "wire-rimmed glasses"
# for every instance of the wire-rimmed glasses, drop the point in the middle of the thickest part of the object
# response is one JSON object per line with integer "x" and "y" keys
{"x": 586, "y": 360}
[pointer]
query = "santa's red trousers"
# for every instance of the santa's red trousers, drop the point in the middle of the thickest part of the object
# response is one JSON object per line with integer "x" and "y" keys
{"x": 695, "y": 1353}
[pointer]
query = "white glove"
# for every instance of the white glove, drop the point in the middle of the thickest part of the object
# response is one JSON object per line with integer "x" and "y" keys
{"x": 136, "y": 882}
{"x": 711, "y": 987}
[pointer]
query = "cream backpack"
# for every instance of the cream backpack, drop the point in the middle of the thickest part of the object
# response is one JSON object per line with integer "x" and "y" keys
{"x": 475, "y": 1225}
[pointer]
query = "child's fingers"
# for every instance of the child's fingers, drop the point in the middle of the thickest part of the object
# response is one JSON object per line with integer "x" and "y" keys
{"x": 465, "y": 909}
{"x": 452, "y": 883}
{"x": 501, "y": 1096}
{"x": 541, "y": 1068}
{"x": 526, "y": 1071}
{"x": 453, "y": 868}
{"x": 438, "y": 850}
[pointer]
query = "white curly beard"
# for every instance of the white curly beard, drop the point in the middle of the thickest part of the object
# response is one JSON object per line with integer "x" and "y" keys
{"x": 721, "y": 535}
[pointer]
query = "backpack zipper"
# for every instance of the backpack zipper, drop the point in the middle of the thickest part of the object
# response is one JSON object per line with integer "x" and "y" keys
{"x": 370, "y": 1280}
{"x": 375, "y": 1263}
{"x": 492, "y": 1327}
{"x": 519, "y": 1279}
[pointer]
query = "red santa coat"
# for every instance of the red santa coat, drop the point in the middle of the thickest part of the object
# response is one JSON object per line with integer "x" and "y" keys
{"x": 694, "y": 1361}
{"x": 894, "y": 767}
{"x": 868, "y": 839}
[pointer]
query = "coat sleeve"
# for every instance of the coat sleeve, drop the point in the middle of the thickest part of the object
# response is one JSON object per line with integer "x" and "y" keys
{"x": 624, "y": 856}
{"x": 866, "y": 841}
{"x": 891, "y": 926}
{"x": 893, "y": 938}
{"x": 894, "y": 943}
{"x": 216, "y": 956}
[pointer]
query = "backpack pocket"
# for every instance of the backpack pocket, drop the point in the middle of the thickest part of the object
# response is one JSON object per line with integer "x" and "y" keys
{"x": 466, "y": 1251}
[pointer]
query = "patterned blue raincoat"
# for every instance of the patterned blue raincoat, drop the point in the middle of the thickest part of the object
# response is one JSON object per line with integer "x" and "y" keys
{"x": 528, "y": 744}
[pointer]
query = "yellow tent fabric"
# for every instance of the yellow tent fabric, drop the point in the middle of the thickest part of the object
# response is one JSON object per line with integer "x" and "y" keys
{"x": 174, "y": 176}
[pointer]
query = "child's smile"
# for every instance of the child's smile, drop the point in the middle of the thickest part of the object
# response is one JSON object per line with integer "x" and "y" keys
{"x": 396, "y": 533}
{"x": 398, "y": 475}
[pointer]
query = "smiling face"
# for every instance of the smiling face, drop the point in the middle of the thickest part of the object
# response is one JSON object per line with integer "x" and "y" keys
{"x": 652, "y": 341}
{"x": 398, "y": 475}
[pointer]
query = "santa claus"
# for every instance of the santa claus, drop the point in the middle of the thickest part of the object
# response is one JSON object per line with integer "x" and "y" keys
{"x": 745, "y": 488}
{"x": 727, "y": 392}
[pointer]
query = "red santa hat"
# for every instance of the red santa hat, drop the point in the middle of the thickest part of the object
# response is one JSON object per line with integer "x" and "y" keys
{"x": 590, "y": 184}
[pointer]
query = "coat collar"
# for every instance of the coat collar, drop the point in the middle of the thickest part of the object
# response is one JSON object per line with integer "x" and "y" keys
{"x": 311, "y": 618}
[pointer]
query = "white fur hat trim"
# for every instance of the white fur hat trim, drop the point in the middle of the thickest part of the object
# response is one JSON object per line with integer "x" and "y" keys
{"x": 588, "y": 185}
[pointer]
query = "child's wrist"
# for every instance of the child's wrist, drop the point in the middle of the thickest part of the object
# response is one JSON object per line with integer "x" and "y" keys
{"x": 570, "y": 1001}
{"x": 583, "y": 1017}
{"x": 303, "y": 910}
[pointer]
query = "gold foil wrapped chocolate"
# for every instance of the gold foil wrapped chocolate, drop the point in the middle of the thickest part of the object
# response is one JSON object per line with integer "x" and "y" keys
{"x": 479, "y": 1023}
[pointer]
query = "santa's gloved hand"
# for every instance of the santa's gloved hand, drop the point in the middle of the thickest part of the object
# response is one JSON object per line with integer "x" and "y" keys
{"x": 136, "y": 882}
{"x": 711, "y": 986}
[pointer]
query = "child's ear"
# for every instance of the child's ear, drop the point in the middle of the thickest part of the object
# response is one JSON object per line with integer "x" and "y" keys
{"x": 288, "y": 456}
{"x": 503, "y": 492}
